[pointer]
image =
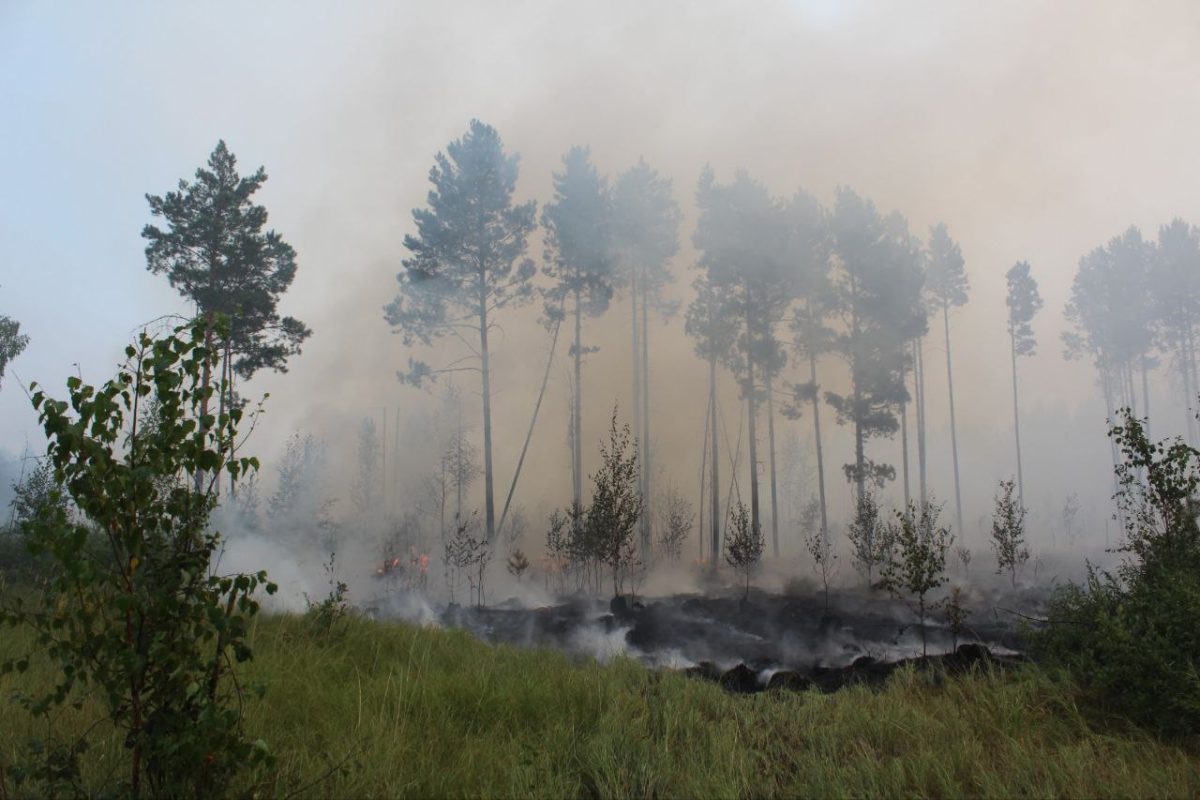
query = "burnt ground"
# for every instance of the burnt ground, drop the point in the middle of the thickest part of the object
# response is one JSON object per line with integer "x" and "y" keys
{"x": 765, "y": 641}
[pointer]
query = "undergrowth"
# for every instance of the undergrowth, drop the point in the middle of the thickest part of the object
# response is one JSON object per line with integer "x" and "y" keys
{"x": 387, "y": 710}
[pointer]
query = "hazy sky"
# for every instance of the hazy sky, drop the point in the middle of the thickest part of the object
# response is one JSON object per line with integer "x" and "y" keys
{"x": 1035, "y": 130}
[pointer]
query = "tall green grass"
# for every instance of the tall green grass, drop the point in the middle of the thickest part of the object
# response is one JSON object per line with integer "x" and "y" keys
{"x": 385, "y": 710}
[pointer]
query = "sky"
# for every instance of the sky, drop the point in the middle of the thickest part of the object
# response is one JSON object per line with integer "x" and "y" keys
{"x": 1036, "y": 131}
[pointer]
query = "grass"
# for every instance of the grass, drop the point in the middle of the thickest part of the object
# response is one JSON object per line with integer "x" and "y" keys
{"x": 386, "y": 710}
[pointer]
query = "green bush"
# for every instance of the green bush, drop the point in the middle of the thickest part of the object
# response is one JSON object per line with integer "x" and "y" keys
{"x": 1132, "y": 637}
{"x": 139, "y": 624}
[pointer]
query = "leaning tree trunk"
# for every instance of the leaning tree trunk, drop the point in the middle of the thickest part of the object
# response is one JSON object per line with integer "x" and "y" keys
{"x": 771, "y": 449}
{"x": 715, "y": 486}
{"x": 532, "y": 422}
{"x": 953, "y": 427}
{"x": 485, "y": 366}
{"x": 816, "y": 408}
{"x": 1017, "y": 421}
{"x": 647, "y": 513}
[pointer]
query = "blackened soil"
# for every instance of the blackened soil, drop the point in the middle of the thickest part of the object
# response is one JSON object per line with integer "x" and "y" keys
{"x": 764, "y": 642}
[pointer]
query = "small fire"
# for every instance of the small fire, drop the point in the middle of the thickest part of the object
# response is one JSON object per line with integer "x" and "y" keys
{"x": 414, "y": 573}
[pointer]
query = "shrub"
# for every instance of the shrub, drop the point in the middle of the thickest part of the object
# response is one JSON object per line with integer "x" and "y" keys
{"x": 744, "y": 547}
{"x": 140, "y": 623}
{"x": 1132, "y": 637}
{"x": 915, "y": 562}
{"x": 1008, "y": 532}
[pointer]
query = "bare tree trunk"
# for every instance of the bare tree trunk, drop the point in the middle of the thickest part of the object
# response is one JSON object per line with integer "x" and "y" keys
{"x": 771, "y": 448}
{"x": 703, "y": 473}
{"x": 1183, "y": 357}
{"x": 816, "y": 408}
{"x": 577, "y": 426}
{"x": 953, "y": 426}
{"x": 207, "y": 378}
{"x": 647, "y": 513}
{"x": 904, "y": 440}
{"x": 715, "y": 486}
{"x": 1106, "y": 379}
{"x": 395, "y": 493}
{"x": 383, "y": 463}
{"x": 1189, "y": 368}
{"x": 489, "y": 497}
{"x": 1146, "y": 394}
{"x": 458, "y": 467}
{"x": 637, "y": 367}
{"x": 919, "y": 384}
{"x": 1017, "y": 421}
{"x": 751, "y": 413}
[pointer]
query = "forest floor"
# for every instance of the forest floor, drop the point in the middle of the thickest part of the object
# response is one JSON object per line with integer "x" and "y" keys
{"x": 384, "y": 709}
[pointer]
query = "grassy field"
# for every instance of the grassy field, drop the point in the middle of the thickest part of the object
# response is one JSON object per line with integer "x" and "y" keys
{"x": 387, "y": 710}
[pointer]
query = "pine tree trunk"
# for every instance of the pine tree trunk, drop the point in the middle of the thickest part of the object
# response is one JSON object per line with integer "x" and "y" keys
{"x": 751, "y": 413}
{"x": 715, "y": 487}
{"x": 1017, "y": 421}
{"x": 1181, "y": 357}
{"x": 816, "y": 409}
{"x": 771, "y": 449}
{"x": 637, "y": 367}
{"x": 1190, "y": 367}
{"x": 577, "y": 426}
{"x": 953, "y": 426}
{"x": 485, "y": 376}
{"x": 904, "y": 441}
{"x": 919, "y": 383}
{"x": 647, "y": 513}
{"x": 1146, "y": 395}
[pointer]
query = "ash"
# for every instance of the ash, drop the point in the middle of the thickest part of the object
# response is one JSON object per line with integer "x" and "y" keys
{"x": 748, "y": 644}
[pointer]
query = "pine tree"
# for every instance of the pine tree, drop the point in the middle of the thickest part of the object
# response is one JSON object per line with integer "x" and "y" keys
{"x": 947, "y": 285}
{"x": 715, "y": 334}
{"x": 742, "y": 233}
{"x": 645, "y": 235}
{"x": 1023, "y": 304}
{"x": 215, "y": 252}
{"x": 580, "y": 261}
{"x": 808, "y": 253}
{"x": 467, "y": 263}
{"x": 878, "y": 287}
{"x": 1175, "y": 294}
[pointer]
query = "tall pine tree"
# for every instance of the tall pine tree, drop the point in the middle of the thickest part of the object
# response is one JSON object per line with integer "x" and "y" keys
{"x": 466, "y": 264}
{"x": 878, "y": 285}
{"x": 645, "y": 235}
{"x": 215, "y": 252}
{"x": 1023, "y": 303}
{"x": 580, "y": 261}
{"x": 947, "y": 285}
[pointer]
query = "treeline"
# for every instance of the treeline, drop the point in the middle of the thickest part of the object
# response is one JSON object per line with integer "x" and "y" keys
{"x": 781, "y": 286}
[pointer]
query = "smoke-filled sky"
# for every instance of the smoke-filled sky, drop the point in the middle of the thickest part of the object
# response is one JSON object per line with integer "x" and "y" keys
{"x": 1034, "y": 130}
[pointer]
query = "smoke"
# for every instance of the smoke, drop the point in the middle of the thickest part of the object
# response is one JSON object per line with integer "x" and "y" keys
{"x": 1034, "y": 130}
